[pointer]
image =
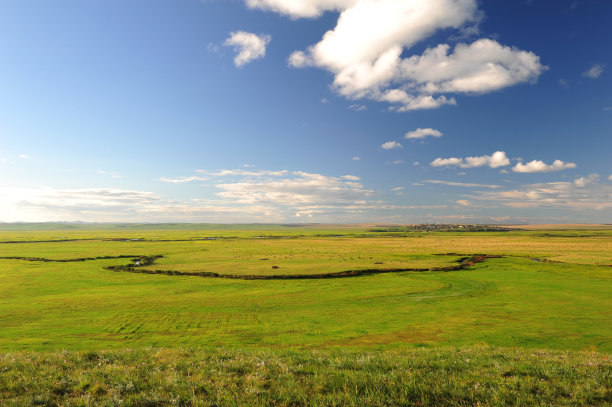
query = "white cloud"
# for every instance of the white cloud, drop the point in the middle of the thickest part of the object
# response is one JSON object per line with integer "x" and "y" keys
{"x": 256, "y": 196}
{"x": 112, "y": 174}
{"x": 422, "y": 133}
{"x": 351, "y": 177}
{"x": 92, "y": 204}
{"x": 300, "y": 8}
{"x": 356, "y": 158}
{"x": 397, "y": 189}
{"x": 463, "y": 202}
{"x": 368, "y": 63}
{"x": 298, "y": 188}
{"x": 248, "y": 45}
{"x": 610, "y": 177}
{"x": 582, "y": 194}
{"x": 358, "y": 108}
{"x": 594, "y": 72}
{"x": 390, "y": 145}
{"x": 588, "y": 180}
{"x": 214, "y": 48}
{"x": 497, "y": 159}
{"x": 182, "y": 180}
{"x": 241, "y": 172}
{"x": 23, "y": 156}
{"x": 398, "y": 162}
{"x": 460, "y": 184}
{"x": 481, "y": 67}
{"x": 540, "y": 166}
{"x": 309, "y": 213}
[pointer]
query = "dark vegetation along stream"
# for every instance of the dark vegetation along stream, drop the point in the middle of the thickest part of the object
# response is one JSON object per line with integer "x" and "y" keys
{"x": 139, "y": 262}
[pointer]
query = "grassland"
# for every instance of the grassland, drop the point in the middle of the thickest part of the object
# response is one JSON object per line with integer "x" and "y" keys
{"x": 544, "y": 290}
{"x": 423, "y": 377}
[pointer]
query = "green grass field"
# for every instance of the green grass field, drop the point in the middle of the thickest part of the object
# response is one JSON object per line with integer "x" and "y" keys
{"x": 547, "y": 290}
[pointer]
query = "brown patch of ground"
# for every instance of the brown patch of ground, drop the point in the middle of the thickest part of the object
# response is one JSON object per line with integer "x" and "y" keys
{"x": 407, "y": 336}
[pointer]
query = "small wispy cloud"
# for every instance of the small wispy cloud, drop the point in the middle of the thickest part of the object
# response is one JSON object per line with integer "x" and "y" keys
{"x": 588, "y": 180}
{"x": 351, "y": 177}
{"x": 497, "y": 159}
{"x": 358, "y": 108}
{"x": 242, "y": 172}
{"x": 540, "y": 166}
{"x": 23, "y": 156}
{"x": 422, "y": 133}
{"x": 461, "y": 184}
{"x": 248, "y": 45}
{"x": 111, "y": 174}
{"x": 214, "y": 48}
{"x": 397, "y": 189}
{"x": 398, "y": 162}
{"x": 182, "y": 180}
{"x": 356, "y": 158}
{"x": 594, "y": 72}
{"x": 463, "y": 202}
{"x": 390, "y": 145}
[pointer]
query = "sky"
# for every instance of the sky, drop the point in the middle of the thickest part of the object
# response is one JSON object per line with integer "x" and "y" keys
{"x": 306, "y": 111}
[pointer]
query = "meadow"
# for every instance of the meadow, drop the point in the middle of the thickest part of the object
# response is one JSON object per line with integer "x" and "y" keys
{"x": 298, "y": 297}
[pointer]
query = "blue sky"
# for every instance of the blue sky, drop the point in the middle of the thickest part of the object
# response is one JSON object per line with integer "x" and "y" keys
{"x": 351, "y": 111}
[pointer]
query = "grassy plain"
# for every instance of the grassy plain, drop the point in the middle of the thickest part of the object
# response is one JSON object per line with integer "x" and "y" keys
{"x": 468, "y": 376}
{"x": 551, "y": 289}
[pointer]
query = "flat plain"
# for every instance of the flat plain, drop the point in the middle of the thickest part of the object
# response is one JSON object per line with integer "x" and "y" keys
{"x": 289, "y": 290}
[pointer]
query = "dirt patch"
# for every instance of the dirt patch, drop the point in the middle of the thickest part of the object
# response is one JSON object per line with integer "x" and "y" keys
{"x": 407, "y": 336}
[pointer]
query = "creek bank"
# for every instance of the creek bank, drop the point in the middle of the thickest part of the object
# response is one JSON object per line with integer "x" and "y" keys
{"x": 464, "y": 263}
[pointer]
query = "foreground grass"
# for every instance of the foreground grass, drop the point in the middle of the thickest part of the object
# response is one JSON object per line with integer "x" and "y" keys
{"x": 424, "y": 377}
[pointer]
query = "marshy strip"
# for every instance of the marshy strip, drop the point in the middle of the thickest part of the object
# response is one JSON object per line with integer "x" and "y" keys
{"x": 43, "y": 259}
{"x": 463, "y": 263}
{"x": 140, "y": 261}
